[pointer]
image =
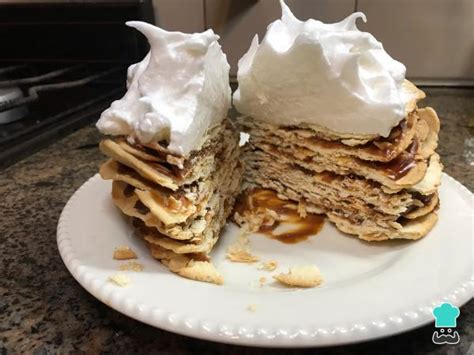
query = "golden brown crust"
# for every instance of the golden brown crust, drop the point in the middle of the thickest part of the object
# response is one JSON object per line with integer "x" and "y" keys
{"x": 186, "y": 266}
{"x": 124, "y": 253}
{"x": 161, "y": 177}
{"x": 300, "y": 276}
{"x": 414, "y": 229}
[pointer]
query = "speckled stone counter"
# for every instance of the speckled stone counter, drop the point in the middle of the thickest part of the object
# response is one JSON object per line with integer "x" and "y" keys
{"x": 44, "y": 310}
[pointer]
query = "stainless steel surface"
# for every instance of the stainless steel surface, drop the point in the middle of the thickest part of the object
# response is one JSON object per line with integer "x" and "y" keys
{"x": 7, "y": 95}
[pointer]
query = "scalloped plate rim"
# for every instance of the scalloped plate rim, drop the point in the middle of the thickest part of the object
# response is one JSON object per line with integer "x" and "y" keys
{"x": 264, "y": 337}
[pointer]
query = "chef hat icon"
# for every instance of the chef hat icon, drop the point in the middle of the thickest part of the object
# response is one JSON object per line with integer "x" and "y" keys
{"x": 445, "y": 315}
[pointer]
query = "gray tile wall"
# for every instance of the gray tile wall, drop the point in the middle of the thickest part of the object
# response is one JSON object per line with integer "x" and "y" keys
{"x": 433, "y": 38}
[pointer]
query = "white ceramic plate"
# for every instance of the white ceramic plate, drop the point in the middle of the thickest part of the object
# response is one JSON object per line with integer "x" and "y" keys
{"x": 370, "y": 290}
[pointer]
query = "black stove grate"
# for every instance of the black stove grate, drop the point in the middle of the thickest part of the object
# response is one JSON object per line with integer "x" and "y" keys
{"x": 33, "y": 91}
{"x": 58, "y": 99}
{"x": 61, "y": 64}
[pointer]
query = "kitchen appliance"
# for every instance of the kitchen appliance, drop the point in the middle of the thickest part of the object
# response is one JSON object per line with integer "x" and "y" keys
{"x": 61, "y": 64}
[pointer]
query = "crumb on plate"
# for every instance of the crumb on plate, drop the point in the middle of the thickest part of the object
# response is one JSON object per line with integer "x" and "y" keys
{"x": 239, "y": 252}
{"x": 131, "y": 266}
{"x": 121, "y": 280}
{"x": 268, "y": 265}
{"x": 124, "y": 253}
{"x": 300, "y": 276}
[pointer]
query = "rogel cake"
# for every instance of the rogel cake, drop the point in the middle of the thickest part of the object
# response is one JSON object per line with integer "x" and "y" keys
{"x": 334, "y": 129}
{"x": 335, "y": 126}
{"x": 174, "y": 156}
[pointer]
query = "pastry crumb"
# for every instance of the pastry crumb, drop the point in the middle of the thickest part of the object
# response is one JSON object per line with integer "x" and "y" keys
{"x": 302, "y": 209}
{"x": 282, "y": 197}
{"x": 182, "y": 264}
{"x": 268, "y": 265}
{"x": 131, "y": 266}
{"x": 240, "y": 256}
{"x": 262, "y": 281}
{"x": 300, "y": 276}
{"x": 239, "y": 252}
{"x": 202, "y": 271}
{"x": 124, "y": 253}
{"x": 255, "y": 218}
{"x": 121, "y": 280}
{"x": 252, "y": 308}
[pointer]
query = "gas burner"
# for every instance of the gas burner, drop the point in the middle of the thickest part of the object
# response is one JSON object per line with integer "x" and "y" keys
{"x": 7, "y": 96}
{"x": 38, "y": 103}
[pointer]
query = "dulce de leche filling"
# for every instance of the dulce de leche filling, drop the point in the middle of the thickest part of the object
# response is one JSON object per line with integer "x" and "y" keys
{"x": 276, "y": 218}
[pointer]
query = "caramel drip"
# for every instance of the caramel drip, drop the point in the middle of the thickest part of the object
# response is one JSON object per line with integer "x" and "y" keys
{"x": 162, "y": 168}
{"x": 403, "y": 163}
{"x": 258, "y": 201}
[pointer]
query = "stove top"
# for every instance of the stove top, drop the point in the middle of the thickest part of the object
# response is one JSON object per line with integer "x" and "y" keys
{"x": 37, "y": 102}
{"x": 61, "y": 64}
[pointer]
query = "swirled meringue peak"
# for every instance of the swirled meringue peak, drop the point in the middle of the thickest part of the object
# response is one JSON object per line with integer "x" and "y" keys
{"x": 179, "y": 90}
{"x": 328, "y": 75}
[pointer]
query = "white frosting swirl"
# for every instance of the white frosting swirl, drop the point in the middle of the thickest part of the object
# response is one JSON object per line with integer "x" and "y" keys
{"x": 179, "y": 90}
{"x": 330, "y": 75}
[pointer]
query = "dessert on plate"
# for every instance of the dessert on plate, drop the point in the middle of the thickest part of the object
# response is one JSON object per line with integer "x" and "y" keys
{"x": 174, "y": 154}
{"x": 335, "y": 126}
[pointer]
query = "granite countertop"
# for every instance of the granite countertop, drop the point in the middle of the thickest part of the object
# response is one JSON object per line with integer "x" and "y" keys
{"x": 44, "y": 310}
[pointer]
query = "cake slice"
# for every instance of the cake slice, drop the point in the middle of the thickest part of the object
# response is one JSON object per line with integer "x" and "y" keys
{"x": 173, "y": 153}
{"x": 372, "y": 199}
{"x": 186, "y": 222}
{"x": 335, "y": 126}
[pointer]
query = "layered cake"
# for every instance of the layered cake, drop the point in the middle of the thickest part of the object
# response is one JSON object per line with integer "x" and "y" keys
{"x": 335, "y": 126}
{"x": 174, "y": 154}
{"x": 335, "y": 130}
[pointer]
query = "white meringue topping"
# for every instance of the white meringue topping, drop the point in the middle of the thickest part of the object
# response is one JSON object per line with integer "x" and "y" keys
{"x": 179, "y": 90}
{"x": 330, "y": 75}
